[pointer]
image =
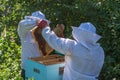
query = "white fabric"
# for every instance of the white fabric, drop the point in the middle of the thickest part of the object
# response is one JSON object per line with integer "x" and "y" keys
{"x": 38, "y": 14}
{"x": 29, "y": 48}
{"x": 87, "y": 27}
{"x": 81, "y": 63}
{"x": 86, "y": 34}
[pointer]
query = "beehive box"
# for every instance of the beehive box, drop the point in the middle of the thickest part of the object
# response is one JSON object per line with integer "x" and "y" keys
{"x": 48, "y": 66}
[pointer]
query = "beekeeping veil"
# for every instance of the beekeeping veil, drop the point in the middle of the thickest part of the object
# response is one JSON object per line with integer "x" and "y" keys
{"x": 86, "y": 34}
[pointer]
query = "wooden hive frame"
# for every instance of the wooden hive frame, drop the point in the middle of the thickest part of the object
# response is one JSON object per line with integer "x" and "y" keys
{"x": 40, "y": 42}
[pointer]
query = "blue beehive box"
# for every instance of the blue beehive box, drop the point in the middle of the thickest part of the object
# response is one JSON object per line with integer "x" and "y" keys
{"x": 45, "y": 68}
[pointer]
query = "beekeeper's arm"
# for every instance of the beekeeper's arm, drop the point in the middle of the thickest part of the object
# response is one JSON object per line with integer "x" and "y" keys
{"x": 25, "y": 25}
{"x": 62, "y": 45}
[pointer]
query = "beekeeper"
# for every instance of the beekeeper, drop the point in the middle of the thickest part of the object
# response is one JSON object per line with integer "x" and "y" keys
{"x": 29, "y": 48}
{"x": 84, "y": 57}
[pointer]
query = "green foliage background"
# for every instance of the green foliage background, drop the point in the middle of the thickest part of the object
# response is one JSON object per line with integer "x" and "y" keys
{"x": 104, "y": 14}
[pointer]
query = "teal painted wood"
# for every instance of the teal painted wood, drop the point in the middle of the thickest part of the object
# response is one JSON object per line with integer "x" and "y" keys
{"x": 39, "y": 71}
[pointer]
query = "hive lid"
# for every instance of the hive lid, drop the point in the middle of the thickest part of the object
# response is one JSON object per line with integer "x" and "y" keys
{"x": 48, "y": 60}
{"x": 40, "y": 42}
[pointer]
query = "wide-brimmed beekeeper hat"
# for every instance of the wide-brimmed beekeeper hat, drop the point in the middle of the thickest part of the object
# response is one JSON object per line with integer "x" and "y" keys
{"x": 38, "y": 14}
{"x": 85, "y": 33}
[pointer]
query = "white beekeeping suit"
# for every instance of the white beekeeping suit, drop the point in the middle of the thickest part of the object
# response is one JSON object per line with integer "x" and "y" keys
{"x": 29, "y": 48}
{"x": 84, "y": 57}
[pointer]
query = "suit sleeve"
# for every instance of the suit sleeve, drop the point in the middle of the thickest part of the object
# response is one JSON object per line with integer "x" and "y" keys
{"x": 25, "y": 25}
{"x": 60, "y": 44}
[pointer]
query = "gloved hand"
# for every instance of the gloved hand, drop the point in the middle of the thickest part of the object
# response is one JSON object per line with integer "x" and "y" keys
{"x": 42, "y": 24}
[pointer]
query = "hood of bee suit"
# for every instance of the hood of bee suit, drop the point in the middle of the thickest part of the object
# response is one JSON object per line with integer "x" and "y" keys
{"x": 36, "y": 15}
{"x": 86, "y": 34}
